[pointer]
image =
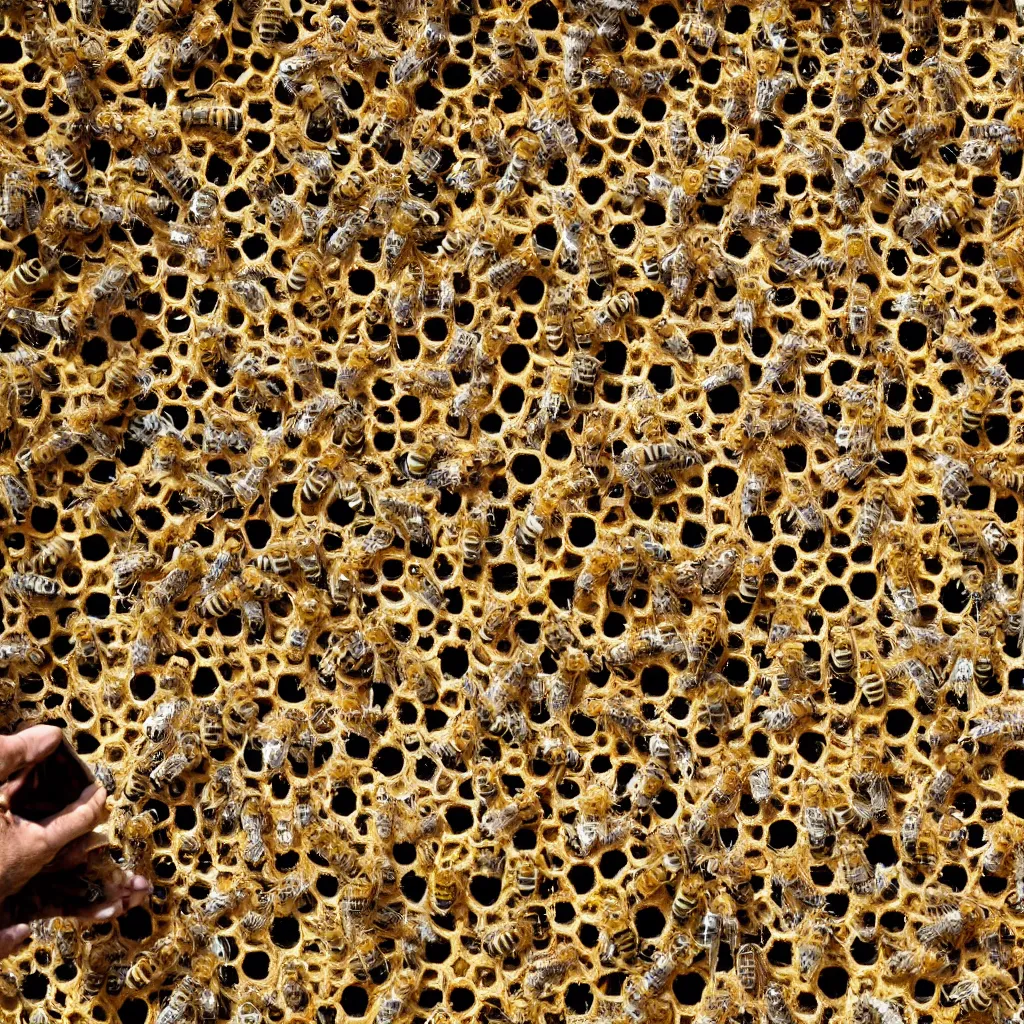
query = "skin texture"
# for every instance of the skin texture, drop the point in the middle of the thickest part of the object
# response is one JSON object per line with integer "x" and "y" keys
{"x": 31, "y": 849}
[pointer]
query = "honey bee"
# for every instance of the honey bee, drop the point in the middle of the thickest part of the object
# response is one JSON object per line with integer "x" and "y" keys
{"x": 396, "y": 109}
{"x": 646, "y": 882}
{"x": 936, "y": 216}
{"x": 198, "y": 42}
{"x": 169, "y": 769}
{"x": 294, "y": 985}
{"x": 509, "y": 39}
{"x": 17, "y": 647}
{"x": 870, "y": 516}
{"x": 151, "y": 964}
{"x": 583, "y": 376}
{"x": 578, "y": 38}
{"x": 50, "y": 555}
{"x": 507, "y": 272}
{"x": 770, "y": 89}
{"x": 425, "y": 588}
{"x": 926, "y": 132}
{"x": 976, "y": 402}
{"x": 725, "y": 169}
{"x": 524, "y": 152}
{"x": 618, "y": 308}
{"x": 1001, "y": 475}
{"x": 31, "y": 585}
{"x": 220, "y": 602}
{"x": 502, "y": 821}
{"x": 547, "y": 969}
{"x": 474, "y": 534}
{"x": 863, "y": 165}
{"x": 841, "y": 655}
{"x": 895, "y": 116}
{"x": 558, "y": 318}
{"x": 425, "y": 160}
{"x": 253, "y": 822}
{"x": 156, "y": 13}
{"x": 8, "y": 115}
{"x": 978, "y": 153}
{"x": 504, "y": 942}
{"x": 19, "y": 205}
{"x": 80, "y": 92}
{"x": 24, "y": 278}
{"x": 1005, "y": 214}
{"x": 406, "y": 219}
{"x": 185, "y": 569}
{"x": 656, "y": 978}
{"x": 68, "y": 169}
{"x": 751, "y": 968}
{"x": 870, "y": 678}
{"x": 159, "y": 65}
{"x": 600, "y": 270}
{"x": 534, "y": 524}
{"x": 322, "y": 479}
{"x": 859, "y": 306}
{"x": 527, "y": 875}
{"x": 158, "y": 725}
{"x": 686, "y": 899}
{"x": 618, "y": 941}
{"x": 416, "y": 462}
{"x": 976, "y": 994}
{"x": 211, "y": 724}
{"x": 249, "y": 486}
{"x": 228, "y": 120}
{"x": 697, "y": 31}
{"x": 270, "y": 21}
{"x": 949, "y": 84}
{"x": 946, "y": 923}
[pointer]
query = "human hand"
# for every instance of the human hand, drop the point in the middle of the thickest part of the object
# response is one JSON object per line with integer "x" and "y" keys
{"x": 26, "y": 847}
{"x": 99, "y": 892}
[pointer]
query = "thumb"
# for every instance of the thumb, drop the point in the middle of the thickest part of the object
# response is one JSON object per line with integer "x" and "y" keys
{"x": 78, "y": 850}
{"x": 11, "y": 938}
{"x": 27, "y": 748}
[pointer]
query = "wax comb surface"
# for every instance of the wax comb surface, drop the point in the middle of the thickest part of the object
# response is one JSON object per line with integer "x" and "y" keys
{"x": 520, "y": 504}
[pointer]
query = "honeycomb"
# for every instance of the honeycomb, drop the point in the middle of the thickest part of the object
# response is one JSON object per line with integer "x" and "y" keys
{"x": 519, "y": 504}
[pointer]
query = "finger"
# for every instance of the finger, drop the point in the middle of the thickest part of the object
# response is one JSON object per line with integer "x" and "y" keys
{"x": 139, "y": 889}
{"x": 10, "y": 787}
{"x": 27, "y": 748}
{"x": 100, "y": 911}
{"x": 11, "y": 938}
{"x": 75, "y": 820}
{"x": 76, "y": 852}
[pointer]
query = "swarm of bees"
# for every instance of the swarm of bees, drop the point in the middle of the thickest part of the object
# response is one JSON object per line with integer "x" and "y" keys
{"x": 520, "y": 504}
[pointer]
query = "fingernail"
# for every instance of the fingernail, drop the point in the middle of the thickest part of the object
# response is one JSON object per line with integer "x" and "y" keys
{"x": 140, "y": 884}
{"x": 20, "y": 932}
{"x": 106, "y": 913}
